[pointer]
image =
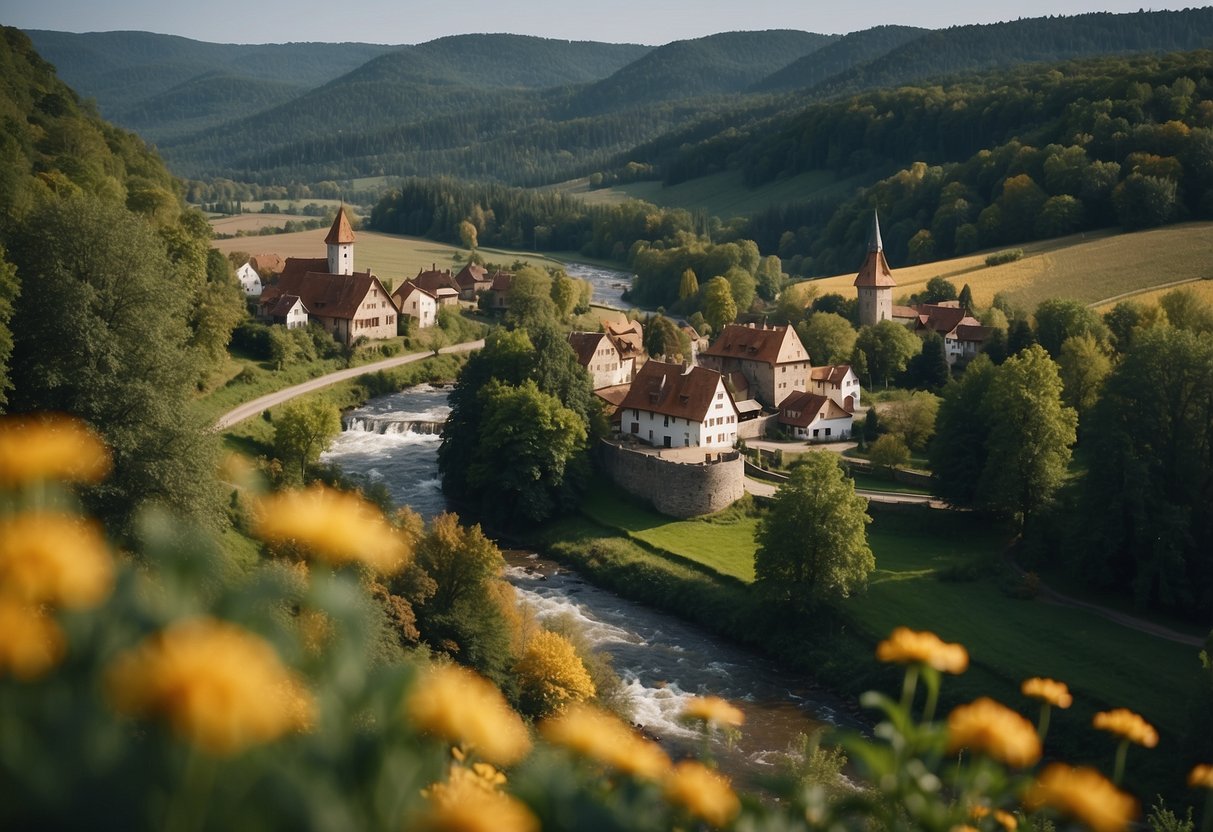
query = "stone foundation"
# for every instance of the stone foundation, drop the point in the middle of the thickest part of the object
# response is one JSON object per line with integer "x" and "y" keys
{"x": 683, "y": 484}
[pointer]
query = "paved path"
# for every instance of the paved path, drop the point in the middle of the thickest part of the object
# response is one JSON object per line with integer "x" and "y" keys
{"x": 767, "y": 489}
{"x": 1143, "y": 291}
{"x": 254, "y": 407}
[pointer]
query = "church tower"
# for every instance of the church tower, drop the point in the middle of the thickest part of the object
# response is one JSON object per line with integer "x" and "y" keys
{"x": 875, "y": 282}
{"x": 341, "y": 245}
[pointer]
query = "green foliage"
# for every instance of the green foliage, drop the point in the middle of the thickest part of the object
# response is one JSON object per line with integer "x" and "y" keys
{"x": 959, "y": 451}
{"x": 688, "y": 286}
{"x": 888, "y": 347}
{"x": 929, "y": 370}
{"x": 719, "y": 308}
{"x": 663, "y": 339}
{"x": 303, "y": 430}
{"x": 812, "y": 544}
{"x": 1083, "y": 366}
{"x": 1010, "y": 255}
{"x": 10, "y": 287}
{"x": 530, "y": 303}
{"x": 829, "y": 338}
{"x": 1057, "y": 320}
{"x": 910, "y": 416}
{"x": 888, "y": 453}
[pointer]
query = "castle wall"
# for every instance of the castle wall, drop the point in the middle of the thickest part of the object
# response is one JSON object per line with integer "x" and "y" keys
{"x": 676, "y": 488}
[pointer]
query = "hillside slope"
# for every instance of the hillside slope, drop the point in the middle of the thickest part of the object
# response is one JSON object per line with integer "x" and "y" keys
{"x": 843, "y": 54}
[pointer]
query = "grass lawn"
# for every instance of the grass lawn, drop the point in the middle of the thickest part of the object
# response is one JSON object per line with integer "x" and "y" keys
{"x": 1086, "y": 267}
{"x": 871, "y": 482}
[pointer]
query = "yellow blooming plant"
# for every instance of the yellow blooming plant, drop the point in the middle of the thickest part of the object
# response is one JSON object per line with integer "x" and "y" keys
{"x": 713, "y": 711}
{"x": 49, "y": 447}
{"x": 465, "y": 709}
{"x": 54, "y": 558}
{"x": 989, "y": 728}
{"x": 704, "y": 793}
{"x": 602, "y": 738}
{"x": 1201, "y": 777}
{"x": 32, "y": 642}
{"x": 1131, "y": 728}
{"x": 1051, "y": 694}
{"x": 1083, "y": 794}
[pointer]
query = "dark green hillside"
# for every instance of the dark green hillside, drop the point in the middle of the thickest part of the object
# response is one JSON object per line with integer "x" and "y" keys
{"x": 202, "y": 102}
{"x": 969, "y": 48}
{"x": 724, "y": 63}
{"x": 843, "y": 54}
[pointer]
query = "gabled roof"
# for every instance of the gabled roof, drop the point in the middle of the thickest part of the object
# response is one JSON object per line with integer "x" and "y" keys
{"x": 324, "y": 294}
{"x": 875, "y": 270}
{"x": 758, "y": 343}
{"x": 341, "y": 232}
{"x": 628, "y": 337}
{"x": 407, "y": 288}
{"x": 585, "y": 344}
{"x": 282, "y": 307}
{"x": 905, "y": 312}
{"x": 673, "y": 390}
{"x": 800, "y": 409}
{"x": 269, "y": 263}
{"x": 970, "y": 332}
{"x": 833, "y": 374}
{"x": 502, "y": 281}
{"x": 470, "y": 275}
{"x": 613, "y": 396}
{"x": 432, "y": 280}
{"x": 296, "y": 266}
{"x": 943, "y": 317}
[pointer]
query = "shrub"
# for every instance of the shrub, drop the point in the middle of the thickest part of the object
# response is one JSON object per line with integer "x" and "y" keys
{"x": 1009, "y": 255}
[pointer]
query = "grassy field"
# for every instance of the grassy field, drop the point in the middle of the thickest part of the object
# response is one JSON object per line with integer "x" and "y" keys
{"x": 1088, "y": 267}
{"x": 1202, "y": 288}
{"x": 254, "y": 222}
{"x": 1013, "y": 639}
{"x": 387, "y": 255}
{"x": 722, "y": 194}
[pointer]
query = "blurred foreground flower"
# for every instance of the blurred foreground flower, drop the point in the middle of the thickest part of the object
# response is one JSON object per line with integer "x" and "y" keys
{"x": 54, "y": 559}
{"x": 906, "y": 646}
{"x": 1201, "y": 777}
{"x": 50, "y": 447}
{"x": 31, "y": 643}
{"x": 338, "y": 528}
{"x": 714, "y": 711}
{"x": 603, "y": 738}
{"x": 1048, "y": 691}
{"x": 461, "y": 707}
{"x": 1084, "y": 794}
{"x": 1127, "y": 725}
{"x": 470, "y": 802}
{"x": 995, "y": 730}
{"x": 1005, "y": 819}
{"x": 703, "y": 792}
{"x": 219, "y": 686}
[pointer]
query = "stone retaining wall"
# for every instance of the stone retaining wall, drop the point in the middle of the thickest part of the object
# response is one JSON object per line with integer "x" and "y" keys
{"x": 676, "y": 488}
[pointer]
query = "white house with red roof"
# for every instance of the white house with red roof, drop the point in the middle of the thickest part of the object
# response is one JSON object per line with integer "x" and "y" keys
{"x": 837, "y": 382}
{"x": 416, "y": 303}
{"x": 676, "y": 406}
{"x": 772, "y": 359}
{"x": 815, "y": 417}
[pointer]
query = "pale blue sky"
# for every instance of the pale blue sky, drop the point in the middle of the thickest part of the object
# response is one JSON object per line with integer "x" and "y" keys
{"x": 409, "y": 21}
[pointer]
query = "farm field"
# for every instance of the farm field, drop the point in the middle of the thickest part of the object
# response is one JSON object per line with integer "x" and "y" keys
{"x": 1089, "y": 268}
{"x": 387, "y": 255}
{"x": 253, "y": 222}
{"x": 1013, "y": 639}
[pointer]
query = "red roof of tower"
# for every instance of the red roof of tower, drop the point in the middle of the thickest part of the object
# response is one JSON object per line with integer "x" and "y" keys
{"x": 341, "y": 232}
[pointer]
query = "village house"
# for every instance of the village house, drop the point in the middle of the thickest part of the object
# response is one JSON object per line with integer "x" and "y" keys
{"x": 672, "y": 406}
{"x": 439, "y": 283}
{"x": 267, "y": 265}
{"x": 963, "y": 335}
{"x": 473, "y": 279}
{"x": 601, "y": 359}
{"x": 497, "y": 297}
{"x": 250, "y": 281}
{"x": 772, "y": 359}
{"x": 839, "y": 383}
{"x": 288, "y": 311}
{"x": 416, "y": 303}
{"x": 628, "y": 337}
{"x": 815, "y": 417}
{"x": 347, "y": 304}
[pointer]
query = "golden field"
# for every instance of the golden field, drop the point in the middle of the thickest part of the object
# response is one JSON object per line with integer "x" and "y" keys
{"x": 1090, "y": 267}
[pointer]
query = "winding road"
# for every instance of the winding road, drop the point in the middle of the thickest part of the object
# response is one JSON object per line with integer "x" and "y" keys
{"x": 249, "y": 409}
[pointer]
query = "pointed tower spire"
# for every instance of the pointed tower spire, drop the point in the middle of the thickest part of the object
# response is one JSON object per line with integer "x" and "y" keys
{"x": 340, "y": 241}
{"x": 874, "y": 244}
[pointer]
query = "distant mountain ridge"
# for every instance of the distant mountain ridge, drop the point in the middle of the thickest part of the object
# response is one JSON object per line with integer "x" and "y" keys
{"x": 838, "y": 56}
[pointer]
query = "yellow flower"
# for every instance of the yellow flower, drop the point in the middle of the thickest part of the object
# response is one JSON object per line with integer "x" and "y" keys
{"x": 1201, "y": 777}
{"x": 54, "y": 559}
{"x": 469, "y": 803}
{"x": 703, "y": 792}
{"x": 995, "y": 730}
{"x": 1049, "y": 691}
{"x": 1085, "y": 794}
{"x": 1005, "y": 819}
{"x": 218, "y": 686}
{"x": 49, "y": 447}
{"x": 906, "y": 646}
{"x": 1128, "y": 725}
{"x": 32, "y": 642}
{"x": 461, "y": 707}
{"x": 714, "y": 711}
{"x": 599, "y": 736}
{"x": 336, "y": 527}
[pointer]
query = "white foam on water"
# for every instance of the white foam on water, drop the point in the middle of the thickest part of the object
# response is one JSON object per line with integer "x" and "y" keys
{"x": 596, "y": 632}
{"x": 658, "y": 708}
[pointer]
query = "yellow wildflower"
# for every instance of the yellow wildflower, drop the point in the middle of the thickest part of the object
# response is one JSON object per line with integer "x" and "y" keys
{"x": 906, "y": 646}
{"x": 1201, "y": 777}
{"x": 1049, "y": 691}
{"x": 469, "y": 803}
{"x": 336, "y": 527}
{"x": 32, "y": 642}
{"x": 703, "y": 792}
{"x": 461, "y": 707}
{"x": 1005, "y": 819}
{"x": 49, "y": 447}
{"x": 599, "y": 736}
{"x": 1128, "y": 725}
{"x": 1085, "y": 794}
{"x": 218, "y": 686}
{"x": 714, "y": 711}
{"x": 54, "y": 559}
{"x": 995, "y": 730}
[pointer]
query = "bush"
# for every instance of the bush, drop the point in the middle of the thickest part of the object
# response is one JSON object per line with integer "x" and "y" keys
{"x": 1009, "y": 255}
{"x": 252, "y": 339}
{"x": 888, "y": 453}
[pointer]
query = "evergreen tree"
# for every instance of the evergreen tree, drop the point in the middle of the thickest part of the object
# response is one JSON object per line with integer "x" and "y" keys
{"x": 929, "y": 369}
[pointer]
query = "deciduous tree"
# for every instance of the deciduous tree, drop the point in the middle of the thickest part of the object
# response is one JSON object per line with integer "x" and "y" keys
{"x": 888, "y": 346}
{"x": 551, "y": 675}
{"x": 829, "y": 338}
{"x": 303, "y": 430}
{"x": 719, "y": 308}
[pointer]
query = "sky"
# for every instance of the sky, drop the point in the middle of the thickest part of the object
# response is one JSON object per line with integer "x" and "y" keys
{"x": 613, "y": 21}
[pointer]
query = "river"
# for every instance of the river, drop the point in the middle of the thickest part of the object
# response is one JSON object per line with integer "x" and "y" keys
{"x": 609, "y": 284}
{"x": 663, "y": 660}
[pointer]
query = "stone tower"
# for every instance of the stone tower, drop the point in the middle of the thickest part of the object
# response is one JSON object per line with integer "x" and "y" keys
{"x": 874, "y": 282}
{"x": 340, "y": 241}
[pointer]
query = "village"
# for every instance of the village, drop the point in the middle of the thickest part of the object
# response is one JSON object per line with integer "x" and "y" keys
{"x": 676, "y": 427}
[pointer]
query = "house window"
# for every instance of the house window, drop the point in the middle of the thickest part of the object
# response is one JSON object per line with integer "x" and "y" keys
{"x": 667, "y": 421}
{"x": 827, "y": 431}
{"x": 815, "y": 432}
{"x": 667, "y": 441}
{"x": 635, "y": 427}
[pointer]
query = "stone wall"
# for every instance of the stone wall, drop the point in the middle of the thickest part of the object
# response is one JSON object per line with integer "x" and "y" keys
{"x": 756, "y": 428}
{"x": 673, "y": 487}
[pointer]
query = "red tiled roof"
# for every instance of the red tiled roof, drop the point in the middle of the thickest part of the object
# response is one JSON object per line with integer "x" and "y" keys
{"x": 907, "y": 312}
{"x": 613, "y": 396}
{"x": 341, "y": 232}
{"x": 943, "y": 318}
{"x": 800, "y": 409}
{"x": 268, "y": 263}
{"x": 405, "y": 289}
{"x": 750, "y": 343}
{"x": 502, "y": 281}
{"x": 672, "y": 390}
{"x": 432, "y": 280}
{"x": 470, "y": 275}
{"x": 875, "y": 271}
{"x": 282, "y": 306}
{"x": 832, "y": 373}
{"x": 585, "y": 344}
{"x": 628, "y": 337}
{"x": 971, "y": 332}
{"x": 324, "y": 294}
{"x": 295, "y": 266}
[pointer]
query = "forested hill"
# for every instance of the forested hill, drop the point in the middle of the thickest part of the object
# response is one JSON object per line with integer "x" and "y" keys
{"x": 724, "y": 63}
{"x": 841, "y": 55}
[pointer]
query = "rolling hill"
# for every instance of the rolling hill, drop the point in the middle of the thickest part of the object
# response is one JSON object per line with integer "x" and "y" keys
{"x": 843, "y": 54}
